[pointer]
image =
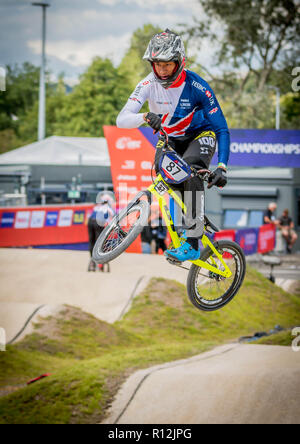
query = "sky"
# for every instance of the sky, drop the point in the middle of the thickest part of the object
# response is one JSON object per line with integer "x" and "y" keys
{"x": 78, "y": 30}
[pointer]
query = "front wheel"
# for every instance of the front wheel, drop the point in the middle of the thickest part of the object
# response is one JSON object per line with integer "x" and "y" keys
{"x": 209, "y": 291}
{"x": 121, "y": 232}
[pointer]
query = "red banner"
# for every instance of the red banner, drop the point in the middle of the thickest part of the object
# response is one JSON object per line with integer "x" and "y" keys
{"x": 44, "y": 225}
{"x": 225, "y": 234}
{"x": 266, "y": 238}
{"x": 131, "y": 156}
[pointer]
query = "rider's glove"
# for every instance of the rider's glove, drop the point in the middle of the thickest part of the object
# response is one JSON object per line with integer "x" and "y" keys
{"x": 218, "y": 178}
{"x": 154, "y": 121}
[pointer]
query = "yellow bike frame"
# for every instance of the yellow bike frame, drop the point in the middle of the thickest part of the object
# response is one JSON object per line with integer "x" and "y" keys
{"x": 170, "y": 226}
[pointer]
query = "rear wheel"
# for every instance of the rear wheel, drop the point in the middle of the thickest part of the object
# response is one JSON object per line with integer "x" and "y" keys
{"x": 209, "y": 291}
{"x": 122, "y": 232}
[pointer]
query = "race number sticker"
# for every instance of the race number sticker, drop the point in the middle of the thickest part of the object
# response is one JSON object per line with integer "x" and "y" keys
{"x": 161, "y": 188}
{"x": 173, "y": 170}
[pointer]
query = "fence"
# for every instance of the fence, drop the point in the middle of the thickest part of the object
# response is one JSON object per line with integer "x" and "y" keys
{"x": 65, "y": 226}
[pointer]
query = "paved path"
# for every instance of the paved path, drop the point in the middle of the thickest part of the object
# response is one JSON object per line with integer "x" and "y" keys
{"x": 31, "y": 278}
{"x": 231, "y": 384}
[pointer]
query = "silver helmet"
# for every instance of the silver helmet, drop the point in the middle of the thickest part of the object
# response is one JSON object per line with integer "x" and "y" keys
{"x": 166, "y": 47}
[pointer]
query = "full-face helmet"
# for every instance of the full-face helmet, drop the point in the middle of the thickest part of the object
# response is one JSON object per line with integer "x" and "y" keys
{"x": 166, "y": 47}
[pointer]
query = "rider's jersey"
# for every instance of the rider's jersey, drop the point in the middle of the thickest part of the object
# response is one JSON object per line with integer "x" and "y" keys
{"x": 186, "y": 109}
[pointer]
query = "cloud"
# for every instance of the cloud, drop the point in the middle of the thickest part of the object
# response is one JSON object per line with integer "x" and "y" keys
{"x": 78, "y": 31}
{"x": 154, "y": 4}
{"x": 81, "y": 55}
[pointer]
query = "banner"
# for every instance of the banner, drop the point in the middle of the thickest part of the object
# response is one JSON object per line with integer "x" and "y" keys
{"x": 248, "y": 240}
{"x": 266, "y": 238}
{"x": 256, "y": 148}
{"x": 64, "y": 225}
{"x": 132, "y": 157}
{"x": 225, "y": 234}
{"x": 263, "y": 148}
{"x": 45, "y": 225}
{"x": 67, "y": 224}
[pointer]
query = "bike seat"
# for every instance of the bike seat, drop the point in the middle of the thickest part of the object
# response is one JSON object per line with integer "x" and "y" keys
{"x": 208, "y": 223}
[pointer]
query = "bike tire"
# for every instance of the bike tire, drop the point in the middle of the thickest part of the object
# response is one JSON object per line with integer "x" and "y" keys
{"x": 102, "y": 257}
{"x": 193, "y": 291}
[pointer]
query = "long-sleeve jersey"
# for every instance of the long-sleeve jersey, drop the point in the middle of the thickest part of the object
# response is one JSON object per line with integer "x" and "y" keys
{"x": 189, "y": 107}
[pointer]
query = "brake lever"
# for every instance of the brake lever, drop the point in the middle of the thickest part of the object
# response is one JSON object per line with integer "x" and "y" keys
{"x": 166, "y": 147}
{"x": 206, "y": 174}
{"x": 165, "y": 134}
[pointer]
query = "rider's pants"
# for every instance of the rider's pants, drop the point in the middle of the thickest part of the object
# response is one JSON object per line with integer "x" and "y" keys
{"x": 197, "y": 152}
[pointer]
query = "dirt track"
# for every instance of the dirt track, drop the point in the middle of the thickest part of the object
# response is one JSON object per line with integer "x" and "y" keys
{"x": 232, "y": 384}
{"x": 31, "y": 278}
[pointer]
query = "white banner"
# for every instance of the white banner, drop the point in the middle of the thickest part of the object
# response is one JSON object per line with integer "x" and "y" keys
{"x": 22, "y": 219}
{"x": 65, "y": 218}
{"x": 37, "y": 219}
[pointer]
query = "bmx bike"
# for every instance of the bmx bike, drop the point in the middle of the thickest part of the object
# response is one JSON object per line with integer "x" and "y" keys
{"x": 215, "y": 278}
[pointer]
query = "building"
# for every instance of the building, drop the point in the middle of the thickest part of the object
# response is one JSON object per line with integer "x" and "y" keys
{"x": 249, "y": 191}
{"x": 73, "y": 169}
{"x": 55, "y": 170}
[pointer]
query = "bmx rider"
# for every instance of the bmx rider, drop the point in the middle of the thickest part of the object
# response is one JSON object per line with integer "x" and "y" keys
{"x": 186, "y": 107}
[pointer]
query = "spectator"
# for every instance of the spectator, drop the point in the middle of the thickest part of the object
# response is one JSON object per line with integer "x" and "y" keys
{"x": 286, "y": 226}
{"x": 269, "y": 214}
{"x": 101, "y": 216}
{"x": 159, "y": 233}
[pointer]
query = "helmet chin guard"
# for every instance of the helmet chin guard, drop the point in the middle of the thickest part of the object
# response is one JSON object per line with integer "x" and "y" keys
{"x": 166, "y": 47}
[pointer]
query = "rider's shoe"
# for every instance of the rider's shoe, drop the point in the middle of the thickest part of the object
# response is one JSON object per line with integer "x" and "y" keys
{"x": 184, "y": 253}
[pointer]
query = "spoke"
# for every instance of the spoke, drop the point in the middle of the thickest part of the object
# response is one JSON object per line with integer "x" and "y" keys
{"x": 211, "y": 286}
{"x": 120, "y": 231}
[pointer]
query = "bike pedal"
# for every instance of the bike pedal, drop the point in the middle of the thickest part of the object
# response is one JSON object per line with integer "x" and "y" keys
{"x": 173, "y": 261}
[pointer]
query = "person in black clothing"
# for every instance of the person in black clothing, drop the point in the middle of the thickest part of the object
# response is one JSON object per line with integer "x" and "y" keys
{"x": 94, "y": 231}
{"x": 146, "y": 236}
{"x": 100, "y": 217}
{"x": 287, "y": 230}
{"x": 269, "y": 214}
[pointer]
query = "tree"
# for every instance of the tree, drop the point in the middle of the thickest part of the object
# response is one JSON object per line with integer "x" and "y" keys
{"x": 94, "y": 102}
{"x": 133, "y": 66}
{"x": 22, "y": 85}
{"x": 259, "y": 35}
{"x": 290, "y": 105}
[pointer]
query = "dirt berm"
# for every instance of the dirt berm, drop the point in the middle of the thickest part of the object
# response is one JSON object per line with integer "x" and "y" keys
{"x": 32, "y": 279}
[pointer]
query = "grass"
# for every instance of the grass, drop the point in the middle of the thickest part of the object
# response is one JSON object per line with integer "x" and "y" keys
{"x": 89, "y": 359}
{"x": 283, "y": 338}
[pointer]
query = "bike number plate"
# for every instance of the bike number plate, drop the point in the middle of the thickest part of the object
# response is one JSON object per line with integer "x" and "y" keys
{"x": 174, "y": 169}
